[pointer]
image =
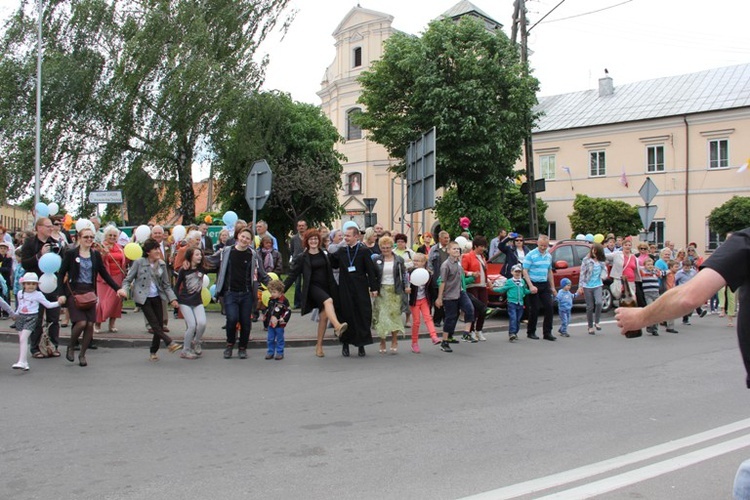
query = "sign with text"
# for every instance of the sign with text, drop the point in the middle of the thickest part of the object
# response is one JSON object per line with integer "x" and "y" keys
{"x": 105, "y": 197}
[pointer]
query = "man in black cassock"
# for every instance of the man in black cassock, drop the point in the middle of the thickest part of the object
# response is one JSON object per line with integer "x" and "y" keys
{"x": 358, "y": 281}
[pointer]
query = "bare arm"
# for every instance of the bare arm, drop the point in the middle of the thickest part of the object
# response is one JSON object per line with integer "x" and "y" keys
{"x": 675, "y": 303}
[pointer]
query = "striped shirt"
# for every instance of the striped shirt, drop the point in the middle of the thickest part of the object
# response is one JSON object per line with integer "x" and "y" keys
{"x": 538, "y": 265}
{"x": 650, "y": 281}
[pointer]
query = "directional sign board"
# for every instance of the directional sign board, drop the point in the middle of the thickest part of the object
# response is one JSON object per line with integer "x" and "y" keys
{"x": 648, "y": 191}
{"x": 647, "y": 215}
{"x": 258, "y": 185}
{"x": 420, "y": 173}
{"x": 105, "y": 197}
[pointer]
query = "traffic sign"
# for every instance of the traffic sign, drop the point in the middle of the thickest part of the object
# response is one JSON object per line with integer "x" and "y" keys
{"x": 258, "y": 185}
{"x": 105, "y": 197}
{"x": 647, "y": 215}
{"x": 648, "y": 191}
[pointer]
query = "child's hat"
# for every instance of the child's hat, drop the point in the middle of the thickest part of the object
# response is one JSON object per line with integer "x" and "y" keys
{"x": 29, "y": 278}
{"x": 564, "y": 282}
{"x": 517, "y": 267}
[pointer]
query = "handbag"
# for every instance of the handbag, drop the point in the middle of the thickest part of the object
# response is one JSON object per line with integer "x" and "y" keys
{"x": 83, "y": 301}
{"x": 628, "y": 300}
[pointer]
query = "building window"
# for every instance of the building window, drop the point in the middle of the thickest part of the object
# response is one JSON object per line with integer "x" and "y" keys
{"x": 718, "y": 153}
{"x": 713, "y": 239}
{"x": 547, "y": 165}
{"x": 357, "y": 56}
{"x": 354, "y": 183}
{"x": 597, "y": 160}
{"x": 552, "y": 230}
{"x": 656, "y": 233}
{"x": 353, "y": 131}
{"x": 655, "y": 161}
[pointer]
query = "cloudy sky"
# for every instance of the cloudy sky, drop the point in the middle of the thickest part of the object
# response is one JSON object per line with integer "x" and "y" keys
{"x": 633, "y": 39}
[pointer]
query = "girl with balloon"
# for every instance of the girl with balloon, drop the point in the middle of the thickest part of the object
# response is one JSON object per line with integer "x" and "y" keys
{"x": 27, "y": 315}
{"x": 420, "y": 301}
{"x": 189, "y": 289}
{"x": 80, "y": 269}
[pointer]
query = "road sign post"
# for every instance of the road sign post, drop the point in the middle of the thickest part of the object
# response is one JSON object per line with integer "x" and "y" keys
{"x": 648, "y": 192}
{"x": 258, "y": 187}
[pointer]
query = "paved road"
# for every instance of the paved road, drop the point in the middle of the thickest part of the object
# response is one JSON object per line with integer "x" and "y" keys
{"x": 490, "y": 416}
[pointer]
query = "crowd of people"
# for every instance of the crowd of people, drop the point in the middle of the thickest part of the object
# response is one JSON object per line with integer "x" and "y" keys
{"x": 363, "y": 284}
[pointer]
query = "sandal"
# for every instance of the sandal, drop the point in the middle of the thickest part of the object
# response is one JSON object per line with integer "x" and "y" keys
{"x": 394, "y": 350}
{"x": 153, "y": 357}
{"x": 591, "y": 331}
{"x": 55, "y": 354}
{"x": 113, "y": 330}
{"x": 38, "y": 355}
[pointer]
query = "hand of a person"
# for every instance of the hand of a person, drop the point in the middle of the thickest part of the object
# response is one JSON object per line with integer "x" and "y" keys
{"x": 61, "y": 300}
{"x": 439, "y": 303}
{"x": 628, "y": 318}
{"x": 373, "y": 294}
{"x": 186, "y": 265}
{"x": 407, "y": 289}
{"x": 533, "y": 289}
{"x": 174, "y": 304}
{"x": 122, "y": 294}
{"x": 46, "y": 248}
{"x": 274, "y": 321}
{"x": 579, "y": 291}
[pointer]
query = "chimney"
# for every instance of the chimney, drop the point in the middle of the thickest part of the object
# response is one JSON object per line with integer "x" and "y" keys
{"x": 606, "y": 87}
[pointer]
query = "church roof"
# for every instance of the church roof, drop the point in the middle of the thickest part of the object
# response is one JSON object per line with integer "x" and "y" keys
{"x": 464, "y": 7}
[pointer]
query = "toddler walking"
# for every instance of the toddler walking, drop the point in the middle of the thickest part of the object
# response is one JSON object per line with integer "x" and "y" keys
{"x": 277, "y": 316}
{"x": 420, "y": 304}
{"x": 515, "y": 290}
{"x": 28, "y": 310}
{"x": 564, "y": 306}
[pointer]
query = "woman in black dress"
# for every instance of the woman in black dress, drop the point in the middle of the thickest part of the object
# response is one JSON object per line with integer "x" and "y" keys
{"x": 318, "y": 287}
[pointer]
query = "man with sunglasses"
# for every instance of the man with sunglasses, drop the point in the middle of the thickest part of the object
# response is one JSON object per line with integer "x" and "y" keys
{"x": 32, "y": 250}
{"x": 515, "y": 252}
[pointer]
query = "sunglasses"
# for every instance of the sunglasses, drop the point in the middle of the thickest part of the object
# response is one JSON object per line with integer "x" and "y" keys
{"x": 518, "y": 241}
{"x": 89, "y": 237}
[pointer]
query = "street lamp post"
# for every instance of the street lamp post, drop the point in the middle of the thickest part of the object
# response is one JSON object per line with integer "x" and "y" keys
{"x": 37, "y": 160}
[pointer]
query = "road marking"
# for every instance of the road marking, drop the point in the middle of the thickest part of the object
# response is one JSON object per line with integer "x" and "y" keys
{"x": 566, "y": 477}
{"x": 650, "y": 471}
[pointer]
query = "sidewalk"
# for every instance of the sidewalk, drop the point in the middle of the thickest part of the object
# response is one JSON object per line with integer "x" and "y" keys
{"x": 300, "y": 332}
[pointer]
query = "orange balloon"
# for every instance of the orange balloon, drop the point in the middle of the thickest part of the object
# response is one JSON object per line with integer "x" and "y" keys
{"x": 208, "y": 219}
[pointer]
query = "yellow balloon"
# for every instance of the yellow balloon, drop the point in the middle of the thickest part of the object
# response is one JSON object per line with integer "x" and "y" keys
{"x": 133, "y": 251}
{"x": 598, "y": 238}
{"x": 265, "y": 297}
{"x": 205, "y": 296}
{"x": 257, "y": 242}
{"x": 273, "y": 276}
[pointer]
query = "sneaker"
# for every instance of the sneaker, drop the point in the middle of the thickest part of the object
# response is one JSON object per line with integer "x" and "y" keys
{"x": 174, "y": 347}
{"x": 187, "y": 355}
{"x": 21, "y": 366}
{"x": 481, "y": 337}
{"x": 197, "y": 348}
{"x": 452, "y": 340}
{"x": 242, "y": 353}
{"x": 468, "y": 338}
{"x": 415, "y": 348}
{"x": 513, "y": 337}
{"x": 564, "y": 334}
{"x": 279, "y": 357}
{"x": 436, "y": 341}
{"x": 153, "y": 357}
{"x": 445, "y": 347}
{"x": 228, "y": 352}
{"x": 687, "y": 323}
{"x": 671, "y": 330}
{"x": 474, "y": 336}
{"x": 269, "y": 356}
{"x": 703, "y": 313}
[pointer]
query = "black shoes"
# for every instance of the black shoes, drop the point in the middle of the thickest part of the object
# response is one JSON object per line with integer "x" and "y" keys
{"x": 550, "y": 337}
{"x": 532, "y": 336}
{"x": 242, "y": 353}
{"x": 228, "y": 352}
{"x": 703, "y": 313}
{"x": 671, "y": 330}
{"x": 445, "y": 347}
{"x": 361, "y": 352}
{"x": 69, "y": 354}
{"x": 345, "y": 350}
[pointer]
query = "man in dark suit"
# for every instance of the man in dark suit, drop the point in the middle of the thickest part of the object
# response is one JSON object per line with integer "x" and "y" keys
{"x": 207, "y": 244}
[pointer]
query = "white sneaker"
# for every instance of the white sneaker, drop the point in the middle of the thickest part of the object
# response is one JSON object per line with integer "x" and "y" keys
{"x": 21, "y": 366}
{"x": 474, "y": 337}
{"x": 481, "y": 336}
{"x": 197, "y": 348}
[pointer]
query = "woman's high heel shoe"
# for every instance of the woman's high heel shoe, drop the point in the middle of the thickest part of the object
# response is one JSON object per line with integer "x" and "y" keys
{"x": 82, "y": 361}
{"x": 69, "y": 354}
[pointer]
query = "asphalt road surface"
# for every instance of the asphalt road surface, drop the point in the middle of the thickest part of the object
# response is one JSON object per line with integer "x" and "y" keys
{"x": 585, "y": 417}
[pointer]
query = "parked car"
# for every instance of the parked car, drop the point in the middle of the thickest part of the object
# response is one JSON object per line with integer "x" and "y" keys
{"x": 567, "y": 256}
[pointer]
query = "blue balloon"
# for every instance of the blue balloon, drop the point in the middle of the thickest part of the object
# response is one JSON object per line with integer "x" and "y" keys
{"x": 590, "y": 238}
{"x": 375, "y": 256}
{"x": 212, "y": 290}
{"x": 349, "y": 224}
{"x": 42, "y": 210}
{"x": 50, "y": 263}
{"x": 229, "y": 218}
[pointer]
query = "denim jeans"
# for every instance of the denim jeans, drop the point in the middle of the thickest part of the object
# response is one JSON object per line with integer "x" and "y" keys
{"x": 452, "y": 307}
{"x": 515, "y": 311}
{"x": 564, "y": 320}
{"x": 275, "y": 340}
{"x": 239, "y": 308}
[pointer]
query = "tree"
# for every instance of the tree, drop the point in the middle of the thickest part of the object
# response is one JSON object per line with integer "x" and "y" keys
{"x": 515, "y": 207}
{"x": 733, "y": 215}
{"x": 298, "y": 142}
{"x": 139, "y": 81}
{"x": 601, "y": 215}
{"x": 467, "y": 82}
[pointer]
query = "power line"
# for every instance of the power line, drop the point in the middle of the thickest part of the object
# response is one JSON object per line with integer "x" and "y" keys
{"x": 582, "y": 14}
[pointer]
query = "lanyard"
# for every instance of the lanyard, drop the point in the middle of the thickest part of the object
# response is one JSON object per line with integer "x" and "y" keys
{"x": 352, "y": 259}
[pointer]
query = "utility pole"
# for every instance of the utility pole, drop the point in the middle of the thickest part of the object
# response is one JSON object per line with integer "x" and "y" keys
{"x": 520, "y": 23}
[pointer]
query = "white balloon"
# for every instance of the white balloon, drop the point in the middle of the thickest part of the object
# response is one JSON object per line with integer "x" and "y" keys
{"x": 419, "y": 277}
{"x": 178, "y": 232}
{"x": 580, "y": 237}
{"x": 462, "y": 242}
{"x": 142, "y": 233}
{"x": 53, "y": 208}
{"x": 206, "y": 281}
{"x": 82, "y": 224}
{"x": 48, "y": 282}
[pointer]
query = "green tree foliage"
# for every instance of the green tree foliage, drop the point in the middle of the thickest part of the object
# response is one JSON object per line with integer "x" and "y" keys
{"x": 468, "y": 83}
{"x": 135, "y": 82}
{"x": 515, "y": 207}
{"x": 298, "y": 142}
{"x": 733, "y": 215}
{"x": 602, "y": 215}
